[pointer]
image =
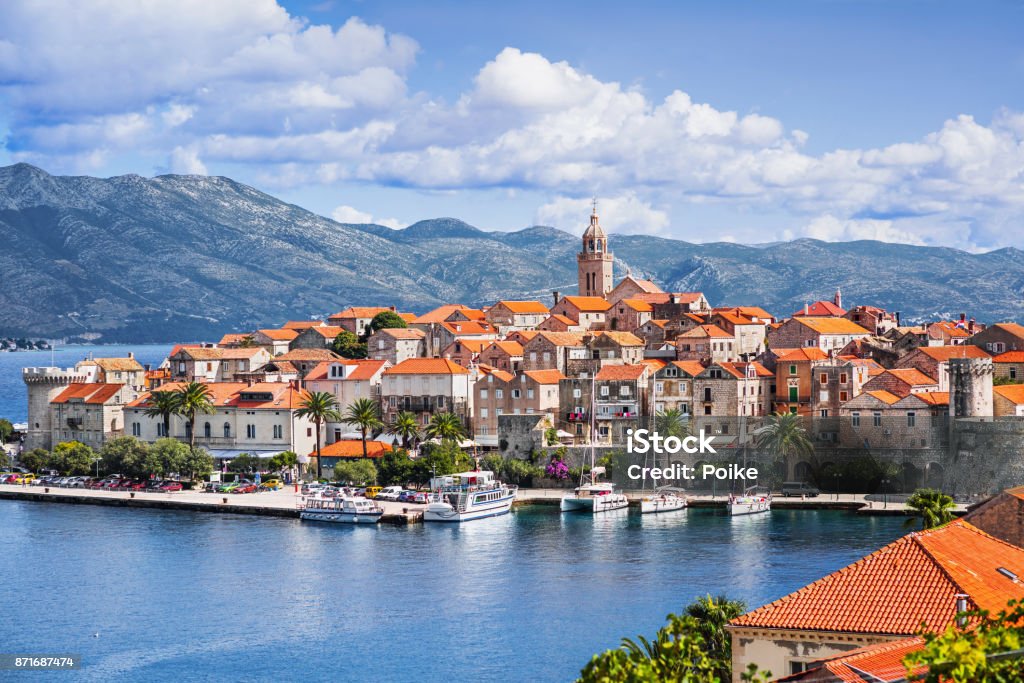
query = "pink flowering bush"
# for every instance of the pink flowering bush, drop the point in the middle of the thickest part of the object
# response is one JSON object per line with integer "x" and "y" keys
{"x": 557, "y": 469}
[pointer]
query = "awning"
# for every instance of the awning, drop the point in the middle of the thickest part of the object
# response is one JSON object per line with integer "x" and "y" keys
{"x": 227, "y": 454}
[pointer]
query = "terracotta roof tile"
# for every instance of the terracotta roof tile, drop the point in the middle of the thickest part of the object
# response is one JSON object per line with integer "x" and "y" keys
{"x": 884, "y": 396}
{"x": 803, "y": 354}
{"x": 279, "y": 335}
{"x": 92, "y": 393}
{"x": 823, "y": 309}
{"x": 828, "y": 325}
{"x": 360, "y": 370}
{"x": 690, "y": 367}
{"x": 115, "y": 364}
{"x": 1011, "y": 392}
{"x": 427, "y": 366}
{"x": 354, "y": 312}
{"x": 944, "y": 353}
{"x": 707, "y": 331}
{"x": 620, "y": 372}
{"x": 620, "y": 338}
{"x": 469, "y": 327}
{"x": 590, "y": 304}
{"x": 1010, "y": 357}
{"x": 545, "y": 376}
{"x": 308, "y": 355}
{"x": 353, "y": 449}
{"x": 911, "y": 376}
{"x": 402, "y": 332}
{"x": 638, "y": 305}
{"x": 302, "y": 324}
{"x": 438, "y": 315}
{"x": 523, "y": 306}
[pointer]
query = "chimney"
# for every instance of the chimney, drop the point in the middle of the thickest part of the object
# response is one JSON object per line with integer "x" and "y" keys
{"x": 963, "y": 317}
{"x": 807, "y": 309}
{"x": 961, "y": 607}
{"x": 131, "y": 354}
{"x": 147, "y": 367}
{"x": 554, "y": 295}
{"x": 391, "y": 308}
{"x": 970, "y": 325}
{"x": 897, "y": 319}
{"x": 838, "y": 298}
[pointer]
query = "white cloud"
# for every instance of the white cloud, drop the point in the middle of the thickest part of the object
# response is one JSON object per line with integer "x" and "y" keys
{"x": 624, "y": 213}
{"x": 186, "y": 161}
{"x": 828, "y": 228}
{"x": 349, "y": 214}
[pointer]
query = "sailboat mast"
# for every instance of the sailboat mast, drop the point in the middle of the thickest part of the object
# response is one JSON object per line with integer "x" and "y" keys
{"x": 593, "y": 425}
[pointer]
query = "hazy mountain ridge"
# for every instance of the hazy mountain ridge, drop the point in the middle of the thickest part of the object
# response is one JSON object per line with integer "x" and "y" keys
{"x": 190, "y": 257}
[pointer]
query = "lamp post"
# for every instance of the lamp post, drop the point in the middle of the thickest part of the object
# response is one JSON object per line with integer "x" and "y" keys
{"x": 835, "y": 484}
{"x": 885, "y": 494}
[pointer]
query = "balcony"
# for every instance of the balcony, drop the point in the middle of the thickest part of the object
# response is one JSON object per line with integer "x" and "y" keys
{"x": 576, "y": 417}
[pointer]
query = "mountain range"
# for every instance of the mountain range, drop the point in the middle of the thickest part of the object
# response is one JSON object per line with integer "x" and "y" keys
{"x": 177, "y": 257}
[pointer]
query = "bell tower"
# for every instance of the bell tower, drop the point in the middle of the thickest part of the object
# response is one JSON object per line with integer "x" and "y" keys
{"x": 594, "y": 262}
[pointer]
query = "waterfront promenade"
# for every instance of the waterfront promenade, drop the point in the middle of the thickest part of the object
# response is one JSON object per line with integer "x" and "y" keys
{"x": 286, "y": 502}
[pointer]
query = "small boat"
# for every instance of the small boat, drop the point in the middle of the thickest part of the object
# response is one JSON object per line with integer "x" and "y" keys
{"x": 594, "y": 497}
{"x": 750, "y": 502}
{"x": 467, "y": 496}
{"x": 343, "y": 510}
{"x": 662, "y": 500}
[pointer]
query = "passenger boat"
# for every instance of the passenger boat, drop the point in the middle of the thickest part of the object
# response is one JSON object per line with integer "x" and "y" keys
{"x": 467, "y": 496}
{"x": 664, "y": 500}
{"x": 593, "y": 497}
{"x": 750, "y": 503}
{"x": 343, "y": 510}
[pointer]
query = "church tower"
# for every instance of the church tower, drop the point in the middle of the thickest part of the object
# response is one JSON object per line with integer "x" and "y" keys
{"x": 594, "y": 262}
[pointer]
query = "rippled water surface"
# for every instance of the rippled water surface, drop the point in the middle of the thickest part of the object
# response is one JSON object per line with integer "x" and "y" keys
{"x": 528, "y": 596}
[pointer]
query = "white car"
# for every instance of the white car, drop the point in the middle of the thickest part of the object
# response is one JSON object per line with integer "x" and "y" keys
{"x": 390, "y": 493}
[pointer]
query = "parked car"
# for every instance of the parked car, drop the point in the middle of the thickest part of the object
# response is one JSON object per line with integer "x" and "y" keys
{"x": 250, "y": 487}
{"x": 389, "y": 493}
{"x": 310, "y": 488}
{"x": 169, "y": 486}
{"x": 406, "y": 496}
{"x": 232, "y": 485}
{"x": 8, "y": 478}
{"x": 25, "y": 479}
{"x": 420, "y": 497}
{"x": 154, "y": 484}
{"x": 43, "y": 480}
{"x": 799, "y": 488}
{"x": 138, "y": 485}
{"x": 272, "y": 484}
{"x": 79, "y": 482}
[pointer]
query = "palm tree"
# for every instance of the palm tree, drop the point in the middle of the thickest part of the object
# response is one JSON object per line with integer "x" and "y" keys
{"x": 194, "y": 398}
{"x": 163, "y": 404}
{"x": 445, "y": 427}
{"x": 364, "y": 414}
{"x": 782, "y": 436}
{"x": 672, "y": 422}
{"x": 934, "y": 508}
{"x": 405, "y": 426}
{"x": 319, "y": 407}
{"x": 713, "y": 613}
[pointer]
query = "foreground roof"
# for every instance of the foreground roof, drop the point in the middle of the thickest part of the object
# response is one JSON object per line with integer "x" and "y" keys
{"x": 427, "y": 366}
{"x": 92, "y": 392}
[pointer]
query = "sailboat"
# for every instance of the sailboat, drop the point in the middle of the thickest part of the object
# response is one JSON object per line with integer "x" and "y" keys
{"x": 596, "y": 496}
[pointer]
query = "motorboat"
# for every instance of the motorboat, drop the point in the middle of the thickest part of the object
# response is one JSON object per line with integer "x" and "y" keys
{"x": 466, "y": 496}
{"x": 344, "y": 510}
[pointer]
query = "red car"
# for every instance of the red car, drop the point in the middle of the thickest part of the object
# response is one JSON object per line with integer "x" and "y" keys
{"x": 138, "y": 485}
{"x": 171, "y": 486}
{"x": 248, "y": 488}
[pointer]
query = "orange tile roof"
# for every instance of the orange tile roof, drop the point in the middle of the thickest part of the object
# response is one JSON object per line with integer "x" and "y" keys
{"x": 427, "y": 366}
{"x": 803, "y": 354}
{"x": 707, "y": 331}
{"x": 660, "y": 322}
{"x": 363, "y": 369}
{"x": 353, "y": 312}
{"x": 512, "y": 348}
{"x": 469, "y": 327}
{"x": 471, "y": 345}
{"x": 935, "y": 398}
{"x": 279, "y": 335}
{"x": 327, "y": 331}
{"x": 590, "y": 304}
{"x": 654, "y": 364}
{"x": 884, "y": 396}
{"x": 912, "y": 581}
{"x": 1010, "y": 357}
{"x": 560, "y": 338}
{"x": 879, "y": 662}
{"x": 911, "y": 376}
{"x": 233, "y": 338}
{"x": 438, "y": 315}
{"x": 1013, "y": 328}
{"x": 500, "y": 374}
{"x": 115, "y": 364}
{"x": 944, "y": 353}
{"x": 407, "y": 317}
{"x": 620, "y": 372}
{"x": 821, "y": 308}
{"x": 525, "y": 335}
{"x": 545, "y": 376}
{"x": 953, "y": 329}
{"x": 302, "y": 324}
{"x": 690, "y": 367}
{"x": 638, "y": 305}
{"x": 564, "y": 319}
{"x": 1011, "y": 392}
{"x": 620, "y": 338}
{"x": 827, "y": 325}
{"x": 402, "y": 332}
{"x": 207, "y": 353}
{"x": 736, "y": 318}
{"x": 523, "y": 306}
{"x": 231, "y": 394}
{"x": 747, "y": 311}
{"x": 308, "y": 355}
{"x": 92, "y": 393}
{"x": 353, "y": 449}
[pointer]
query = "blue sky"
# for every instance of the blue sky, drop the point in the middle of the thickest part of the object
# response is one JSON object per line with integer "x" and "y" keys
{"x": 746, "y": 121}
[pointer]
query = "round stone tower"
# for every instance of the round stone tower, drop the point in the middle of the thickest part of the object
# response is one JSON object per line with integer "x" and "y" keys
{"x": 970, "y": 387}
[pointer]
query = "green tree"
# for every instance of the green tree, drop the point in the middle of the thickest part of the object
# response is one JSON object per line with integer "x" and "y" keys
{"x": 405, "y": 426}
{"x": 712, "y": 614}
{"x": 194, "y": 398}
{"x": 244, "y": 463}
{"x": 318, "y": 407}
{"x": 551, "y": 436}
{"x": 782, "y": 436}
{"x": 445, "y": 427}
{"x": 198, "y": 465}
{"x": 672, "y": 422}
{"x": 35, "y": 459}
{"x": 125, "y": 455}
{"x": 72, "y": 457}
{"x": 395, "y": 468}
{"x": 355, "y": 472}
{"x": 933, "y": 507}
{"x": 387, "y": 320}
{"x": 163, "y": 404}
{"x": 248, "y": 341}
{"x": 6, "y": 429}
{"x": 364, "y": 414}
{"x": 439, "y": 459}
{"x": 171, "y": 454}
{"x": 283, "y": 461}
{"x": 976, "y": 655}
{"x": 347, "y": 345}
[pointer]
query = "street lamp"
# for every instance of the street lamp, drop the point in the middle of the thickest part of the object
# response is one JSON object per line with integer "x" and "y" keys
{"x": 835, "y": 484}
{"x": 885, "y": 494}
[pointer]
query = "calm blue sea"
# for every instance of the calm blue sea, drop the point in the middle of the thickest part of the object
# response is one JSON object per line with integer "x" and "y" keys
{"x": 530, "y": 596}
{"x": 13, "y": 401}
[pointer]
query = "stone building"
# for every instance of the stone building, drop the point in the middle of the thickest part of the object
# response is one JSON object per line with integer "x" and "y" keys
{"x": 503, "y": 355}
{"x": 91, "y": 413}
{"x": 902, "y": 382}
{"x": 206, "y": 364}
{"x": 396, "y": 345}
{"x": 629, "y": 314}
{"x": 674, "y": 387}
{"x": 970, "y": 387}
{"x": 465, "y": 352}
{"x": 999, "y": 338}
{"x": 1008, "y": 400}
{"x": 749, "y": 333}
{"x": 552, "y": 350}
{"x": 318, "y": 337}
{"x": 594, "y": 263}
{"x": 1009, "y": 366}
{"x": 934, "y": 360}
{"x": 630, "y": 287}
{"x": 589, "y": 312}
{"x": 348, "y": 381}
{"x": 425, "y": 386}
{"x": 706, "y": 344}
{"x": 826, "y": 332}
{"x": 508, "y": 316}
{"x": 275, "y": 342}
{"x": 357, "y": 319}
{"x": 794, "y": 378}
{"x": 497, "y": 393}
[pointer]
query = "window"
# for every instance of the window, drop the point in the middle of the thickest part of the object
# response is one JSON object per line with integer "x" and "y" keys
{"x": 794, "y": 394}
{"x": 484, "y": 413}
{"x": 516, "y": 393}
{"x": 792, "y": 369}
{"x": 1013, "y": 373}
{"x": 529, "y": 393}
{"x": 160, "y": 429}
{"x": 843, "y": 396}
{"x": 207, "y": 430}
{"x": 604, "y": 390}
{"x": 797, "y": 667}
{"x": 624, "y": 390}
{"x": 497, "y": 411}
{"x": 278, "y": 432}
{"x": 136, "y": 429}
{"x": 227, "y": 430}
{"x": 533, "y": 356}
{"x": 855, "y": 419}
{"x": 911, "y": 419}
{"x": 483, "y": 392}
{"x": 659, "y": 387}
{"x": 707, "y": 393}
{"x": 250, "y": 431}
{"x": 876, "y": 419}
{"x": 499, "y": 393}
{"x": 707, "y": 410}
{"x": 440, "y": 401}
{"x": 824, "y": 412}
{"x": 842, "y": 378}
{"x": 823, "y": 378}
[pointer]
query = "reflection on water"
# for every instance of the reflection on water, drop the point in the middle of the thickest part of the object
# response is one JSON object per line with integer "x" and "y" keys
{"x": 184, "y": 596}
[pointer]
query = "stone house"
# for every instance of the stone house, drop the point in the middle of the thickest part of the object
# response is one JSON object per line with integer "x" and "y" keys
{"x": 674, "y": 305}
{"x": 902, "y": 382}
{"x": 552, "y": 350}
{"x": 300, "y": 325}
{"x": 305, "y": 360}
{"x": 824, "y": 309}
{"x": 357, "y": 319}
{"x": 872, "y": 318}
{"x": 92, "y": 413}
{"x": 827, "y": 333}
{"x": 629, "y": 287}
{"x": 1000, "y": 338}
{"x": 834, "y": 383}
{"x": 880, "y": 419}
{"x": 115, "y": 370}
{"x": 319, "y": 337}
{"x": 521, "y": 336}
{"x": 794, "y": 378}
{"x": 673, "y": 386}
{"x": 732, "y": 390}
{"x": 503, "y": 355}
{"x": 396, "y": 345}
{"x": 590, "y": 312}
{"x": 749, "y": 333}
{"x": 706, "y": 344}
{"x": 465, "y": 352}
{"x": 934, "y": 360}
{"x": 620, "y": 401}
{"x": 258, "y": 419}
{"x": 755, "y": 313}
{"x": 559, "y": 323}
{"x": 206, "y": 364}
{"x": 275, "y": 342}
{"x": 508, "y": 316}
{"x": 425, "y": 386}
{"x": 654, "y": 333}
{"x": 629, "y": 314}
{"x": 497, "y": 393}
{"x": 1008, "y": 400}
{"x": 1009, "y": 366}
{"x": 919, "y": 579}
{"x": 348, "y": 381}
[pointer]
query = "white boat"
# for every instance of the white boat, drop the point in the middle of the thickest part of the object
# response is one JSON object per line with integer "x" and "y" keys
{"x": 662, "y": 501}
{"x": 343, "y": 510}
{"x": 467, "y": 496}
{"x": 750, "y": 503}
{"x": 594, "y": 497}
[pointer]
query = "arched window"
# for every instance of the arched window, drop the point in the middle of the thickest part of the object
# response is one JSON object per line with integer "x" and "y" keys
{"x": 188, "y": 430}
{"x": 600, "y": 246}
{"x": 206, "y": 430}
{"x": 227, "y": 430}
